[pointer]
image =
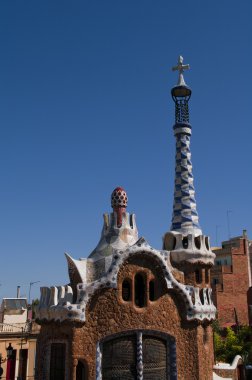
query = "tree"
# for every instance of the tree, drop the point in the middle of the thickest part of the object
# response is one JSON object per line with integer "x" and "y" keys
{"x": 35, "y": 303}
{"x": 228, "y": 343}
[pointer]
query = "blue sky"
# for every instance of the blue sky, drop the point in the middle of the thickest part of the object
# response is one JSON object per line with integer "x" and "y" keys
{"x": 85, "y": 106}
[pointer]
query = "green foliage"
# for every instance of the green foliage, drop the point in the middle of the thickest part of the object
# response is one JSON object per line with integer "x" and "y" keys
{"x": 34, "y": 306}
{"x": 35, "y": 302}
{"x": 216, "y": 326}
{"x": 228, "y": 343}
{"x": 219, "y": 347}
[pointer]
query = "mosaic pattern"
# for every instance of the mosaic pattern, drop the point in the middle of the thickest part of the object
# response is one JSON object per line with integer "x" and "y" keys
{"x": 53, "y": 306}
{"x": 98, "y": 362}
{"x": 139, "y": 356}
{"x": 115, "y": 237}
{"x": 119, "y": 198}
{"x": 185, "y": 216}
{"x": 181, "y": 111}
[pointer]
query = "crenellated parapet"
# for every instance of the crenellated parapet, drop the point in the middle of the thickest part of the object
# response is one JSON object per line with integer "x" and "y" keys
{"x": 56, "y": 303}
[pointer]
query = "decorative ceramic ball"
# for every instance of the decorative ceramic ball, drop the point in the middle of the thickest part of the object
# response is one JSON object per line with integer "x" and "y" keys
{"x": 119, "y": 198}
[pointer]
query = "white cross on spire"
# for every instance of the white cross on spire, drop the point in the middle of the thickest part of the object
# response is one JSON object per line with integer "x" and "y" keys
{"x": 180, "y": 67}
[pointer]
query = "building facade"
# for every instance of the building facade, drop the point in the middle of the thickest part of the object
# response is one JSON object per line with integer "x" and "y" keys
{"x": 132, "y": 311}
{"x": 18, "y": 338}
{"x": 231, "y": 279}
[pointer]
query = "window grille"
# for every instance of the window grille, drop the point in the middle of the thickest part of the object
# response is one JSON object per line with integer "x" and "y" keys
{"x": 119, "y": 359}
{"x": 145, "y": 355}
{"x": 154, "y": 359}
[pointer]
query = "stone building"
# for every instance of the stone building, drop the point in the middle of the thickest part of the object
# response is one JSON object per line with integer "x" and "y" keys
{"x": 231, "y": 279}
{"x": 132, "y": 311}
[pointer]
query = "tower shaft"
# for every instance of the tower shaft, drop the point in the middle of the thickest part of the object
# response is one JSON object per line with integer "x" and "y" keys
{"x": 185, "y": 216}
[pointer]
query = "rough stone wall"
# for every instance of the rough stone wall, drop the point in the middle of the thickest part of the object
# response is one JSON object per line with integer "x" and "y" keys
{"x": 205, "y": 351}
{"x": 108, "y": 314}
{"x": 231, "y": 292}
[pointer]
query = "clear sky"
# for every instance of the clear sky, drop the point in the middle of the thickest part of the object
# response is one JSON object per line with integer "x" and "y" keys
{"x": 85, "y": 106}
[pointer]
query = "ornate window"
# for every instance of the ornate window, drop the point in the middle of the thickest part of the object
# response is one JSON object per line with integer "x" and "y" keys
{"x": 185, "y": 242}
{"x": 144, "y": 289}
{"x": 152, "y": 290}
{"x": 138, "y": 355}
{"x": 140, "y": 290}
{"x": 57, "y": 361}
{"x": 126, "y": 290}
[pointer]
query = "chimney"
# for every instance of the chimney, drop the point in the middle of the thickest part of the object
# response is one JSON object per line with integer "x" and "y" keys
{"x": 18, "y": 291}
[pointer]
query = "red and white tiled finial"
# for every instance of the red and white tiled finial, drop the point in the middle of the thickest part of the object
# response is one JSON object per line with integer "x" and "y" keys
{"x": 119, "y": 201}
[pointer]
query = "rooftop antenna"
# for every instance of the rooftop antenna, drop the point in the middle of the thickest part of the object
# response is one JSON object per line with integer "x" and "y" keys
{"x": 228, "y": 223}
{"x": 31, "y": 283}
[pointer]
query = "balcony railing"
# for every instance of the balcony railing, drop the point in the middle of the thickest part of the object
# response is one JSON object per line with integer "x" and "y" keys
{"x": 15, "y": 327}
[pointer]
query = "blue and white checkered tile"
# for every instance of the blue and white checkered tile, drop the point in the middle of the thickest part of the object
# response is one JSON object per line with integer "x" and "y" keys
{"x": 185, "y": 217}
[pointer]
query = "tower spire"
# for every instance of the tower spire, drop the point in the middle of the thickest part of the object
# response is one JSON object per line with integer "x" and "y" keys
{"x": 185, "y": 216}
{"x": 180, "y": 67}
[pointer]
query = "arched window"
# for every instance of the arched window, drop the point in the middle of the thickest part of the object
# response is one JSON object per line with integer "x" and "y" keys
{"x": 81, "y": 371}
{"x": 185, "y": 242}
{"x": 207, "y": 242}
{"x": 197, "y": 242}
{"x": 140, "y": 290}
{"x": 126, "y": 290}
{"x": 152, "y": 290}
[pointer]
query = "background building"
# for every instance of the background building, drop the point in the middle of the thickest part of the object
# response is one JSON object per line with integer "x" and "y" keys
{"x": 231, "y": 279}
{"x": 20, "y": 334}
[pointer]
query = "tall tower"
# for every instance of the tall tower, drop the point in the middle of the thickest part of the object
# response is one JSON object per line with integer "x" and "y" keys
{"x": 190, "y": 249}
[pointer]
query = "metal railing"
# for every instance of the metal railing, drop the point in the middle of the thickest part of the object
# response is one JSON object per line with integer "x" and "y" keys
{"x": 15, "y": 327}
